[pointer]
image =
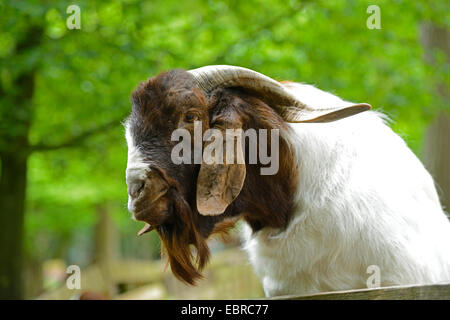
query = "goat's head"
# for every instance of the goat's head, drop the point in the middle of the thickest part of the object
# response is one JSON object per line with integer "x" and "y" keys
{"x": 186, "y": 203}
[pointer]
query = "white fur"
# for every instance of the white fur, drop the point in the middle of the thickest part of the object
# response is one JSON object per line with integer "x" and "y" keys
{"x": 137, "y": 168}
{"x": 363, "y": 199}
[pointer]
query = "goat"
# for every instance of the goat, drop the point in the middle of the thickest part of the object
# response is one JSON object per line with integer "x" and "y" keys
{"x": 348, "y": 194}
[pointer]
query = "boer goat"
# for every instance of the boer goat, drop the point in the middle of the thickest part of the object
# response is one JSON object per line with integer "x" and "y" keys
{"x": 348, "y": 194}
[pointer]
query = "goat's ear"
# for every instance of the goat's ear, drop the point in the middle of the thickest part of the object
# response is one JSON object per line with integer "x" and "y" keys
{"x": 222, "y": 174}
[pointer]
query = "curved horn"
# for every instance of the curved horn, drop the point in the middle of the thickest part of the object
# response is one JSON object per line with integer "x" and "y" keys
{"x": 211, "y": 77}
{"x": 280, "y": 97}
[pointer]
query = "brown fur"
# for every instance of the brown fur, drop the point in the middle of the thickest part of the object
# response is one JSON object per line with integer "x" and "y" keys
{"x": 159, "y": 107}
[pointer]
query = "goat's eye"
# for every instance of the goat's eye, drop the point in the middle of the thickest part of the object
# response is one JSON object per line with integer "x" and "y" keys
{"x": 190, "y": 117}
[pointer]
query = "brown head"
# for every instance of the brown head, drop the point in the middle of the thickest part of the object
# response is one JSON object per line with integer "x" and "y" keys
{"x": 186, "y": 203}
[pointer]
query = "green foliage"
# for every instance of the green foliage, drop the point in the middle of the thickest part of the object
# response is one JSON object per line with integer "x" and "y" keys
{"x": 83, "y": 79}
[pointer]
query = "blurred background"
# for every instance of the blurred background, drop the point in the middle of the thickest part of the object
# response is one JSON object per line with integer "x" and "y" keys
{"x": 64, "y": 93}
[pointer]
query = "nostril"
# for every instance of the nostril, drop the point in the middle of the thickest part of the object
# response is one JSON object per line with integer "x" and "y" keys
{"x": 141, "y": 188}
{"x": 137, "y": 188}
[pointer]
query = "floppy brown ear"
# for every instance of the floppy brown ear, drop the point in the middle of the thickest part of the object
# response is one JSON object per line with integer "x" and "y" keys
{"x": 221, "y": 176}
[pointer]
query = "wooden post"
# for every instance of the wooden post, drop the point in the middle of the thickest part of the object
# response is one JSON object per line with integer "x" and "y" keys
{"x": 437, "y": 156}
{"x": 106, "y": 247}
{"x": 413, "y": 292}
{"x": 437, "y": 148}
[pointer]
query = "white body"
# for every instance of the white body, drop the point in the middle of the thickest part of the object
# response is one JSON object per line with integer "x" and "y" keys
{"x": 363, "y": 199}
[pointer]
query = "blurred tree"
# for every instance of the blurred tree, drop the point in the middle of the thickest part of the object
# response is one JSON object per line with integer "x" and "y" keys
{"x": 17, "y": 114}
{"x": 436, "y": 41}
{"x": 66, "y": 91}
{"x": 14, "y": 152}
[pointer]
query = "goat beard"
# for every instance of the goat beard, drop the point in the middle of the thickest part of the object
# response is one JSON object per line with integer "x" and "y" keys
{"x": 179, "y": 237}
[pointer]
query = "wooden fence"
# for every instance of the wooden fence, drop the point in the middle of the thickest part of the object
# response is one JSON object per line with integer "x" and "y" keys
{"x": 413, "y": 292}
{"x": 229, "y": 276}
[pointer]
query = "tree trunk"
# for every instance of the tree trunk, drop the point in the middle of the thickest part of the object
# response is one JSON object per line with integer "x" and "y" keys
{"x": 17, "y": 112}
{"x": 13, "y": 181}
{"x": 437, "y": 156}
{"x": 12, "y": 206}
{"x": 437, "y": 148}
